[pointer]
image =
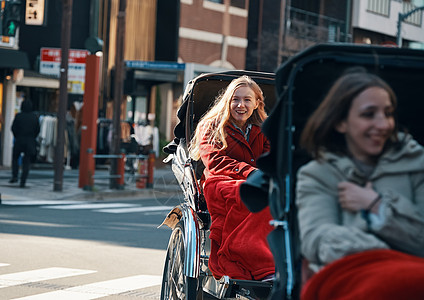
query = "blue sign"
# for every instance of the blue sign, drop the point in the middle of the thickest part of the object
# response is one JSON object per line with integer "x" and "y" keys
{"x": 139, "y": 64}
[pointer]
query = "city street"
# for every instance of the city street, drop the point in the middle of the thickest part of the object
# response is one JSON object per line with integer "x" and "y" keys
{"x": 83, "y": 250}
{"x": 288, "y": 132}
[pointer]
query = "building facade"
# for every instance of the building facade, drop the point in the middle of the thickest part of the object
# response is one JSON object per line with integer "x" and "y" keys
{"x": 377, "y": 21}
{"x": 167, "y": 43}
{"x": 213, "y": 33}
{"x": 27, "y": 82}
{"x": 280, "y": 29}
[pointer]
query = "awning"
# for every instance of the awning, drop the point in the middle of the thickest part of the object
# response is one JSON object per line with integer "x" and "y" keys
{"x": 35, "y": 79}
{"x": 13, "y": 59}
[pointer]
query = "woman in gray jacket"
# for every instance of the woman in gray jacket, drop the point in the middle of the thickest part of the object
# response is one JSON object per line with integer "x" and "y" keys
{"x": 361, "y": 200}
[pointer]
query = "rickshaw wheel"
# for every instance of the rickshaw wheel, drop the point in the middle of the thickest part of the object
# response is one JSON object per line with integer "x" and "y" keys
{"x": 175, "y": 285}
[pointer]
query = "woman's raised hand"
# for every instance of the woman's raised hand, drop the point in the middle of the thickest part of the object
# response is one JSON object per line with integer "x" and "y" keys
{"x": 353, "y": 197}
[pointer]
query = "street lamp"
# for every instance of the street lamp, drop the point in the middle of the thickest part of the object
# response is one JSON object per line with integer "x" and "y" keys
{"x": 401, "y": 18}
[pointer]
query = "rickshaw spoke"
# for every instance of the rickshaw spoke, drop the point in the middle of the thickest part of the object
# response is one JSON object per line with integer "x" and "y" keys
{"x": 176, "y": 277}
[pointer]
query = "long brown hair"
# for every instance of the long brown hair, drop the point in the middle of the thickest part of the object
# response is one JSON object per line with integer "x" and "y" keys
{"x": 319, "y": 133}
{"x": 214, "y": 121}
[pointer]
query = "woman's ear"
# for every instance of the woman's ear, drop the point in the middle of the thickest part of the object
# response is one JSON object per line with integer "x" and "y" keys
{"x": 341, "y": 127}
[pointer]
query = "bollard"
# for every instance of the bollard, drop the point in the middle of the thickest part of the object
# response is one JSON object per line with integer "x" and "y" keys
{"x": 142, "y": 176}
{"x": 87, "y": 163}
{"x": 150, "y": 169}
{"x": 120, "y": 171}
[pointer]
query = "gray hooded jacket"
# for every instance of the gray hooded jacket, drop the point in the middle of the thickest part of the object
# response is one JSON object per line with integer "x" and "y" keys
{"x": 328, "y": 233}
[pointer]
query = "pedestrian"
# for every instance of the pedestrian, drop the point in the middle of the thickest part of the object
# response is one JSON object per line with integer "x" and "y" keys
{"x": 228, "y": 140}
{"x": 361, "y": 200}
{"x": 25, "y": 129}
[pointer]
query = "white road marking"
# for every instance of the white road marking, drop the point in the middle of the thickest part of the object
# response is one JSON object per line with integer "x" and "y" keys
{"x": 4, "y": 265}
{"x": 136, "y": 209}
{"x": 90, "y": 206}
{"x": 43, "y": 224}
{"x": 14, "y": 279}
{"x": 38, "y": 202}
{"x": 100, "y": 289}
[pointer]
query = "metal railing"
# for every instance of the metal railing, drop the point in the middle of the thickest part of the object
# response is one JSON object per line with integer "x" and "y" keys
{"x": 131, "y": 168}
{"x": 314, "y": 27}
{"x": 112, "y": 156}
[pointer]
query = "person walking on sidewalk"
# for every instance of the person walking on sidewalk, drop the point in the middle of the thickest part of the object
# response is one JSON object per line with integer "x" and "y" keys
{"x": 25, "y": 129}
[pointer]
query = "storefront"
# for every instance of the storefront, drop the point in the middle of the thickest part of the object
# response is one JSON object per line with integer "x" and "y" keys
{"x": 153, "y": 92}
{"x": 12, "y": 64}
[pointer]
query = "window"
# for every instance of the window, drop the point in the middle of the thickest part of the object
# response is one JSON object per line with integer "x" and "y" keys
{"x": 238, "y": 3}
{"x": 414, "y": 18}
{"x": 381, "y": 7}
{"x": 235, "y": 3}
{"x": 216, "y": 1}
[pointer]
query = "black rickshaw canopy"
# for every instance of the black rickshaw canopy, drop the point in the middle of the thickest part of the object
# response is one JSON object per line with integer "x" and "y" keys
{"x": 301, "y": 84}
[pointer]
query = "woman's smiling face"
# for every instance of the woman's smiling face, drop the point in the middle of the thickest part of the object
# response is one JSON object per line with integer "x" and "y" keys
{"x": 242, "y": 105}
{"x": 369, "y": 124}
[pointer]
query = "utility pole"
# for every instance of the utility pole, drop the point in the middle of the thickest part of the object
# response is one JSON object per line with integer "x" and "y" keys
{"x": 118, "y": 93}
{"x": 347, "y": 24}
{"x": 402, "y": 18}
{"x": 63, "y": 94}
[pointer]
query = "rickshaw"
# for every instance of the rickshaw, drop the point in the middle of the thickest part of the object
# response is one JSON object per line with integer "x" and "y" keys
{"x": 301, "y": 84}
{"x": 186, "y": 274}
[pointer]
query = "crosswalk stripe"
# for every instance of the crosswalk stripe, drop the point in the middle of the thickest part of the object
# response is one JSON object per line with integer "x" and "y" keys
{"x": 90, "y": 206}
{"x": 100, "y": 289}
{"x": 42, "y": 224}
{"x": 14, "y": 279}
{"x": 37, "y": 202}
{"x": 136, "y": 209}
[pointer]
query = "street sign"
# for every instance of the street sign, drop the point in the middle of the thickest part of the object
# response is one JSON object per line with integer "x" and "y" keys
{"x": 10, "y": 17}
{"x": 5, "y": 41}
{"x": 50, "y": 60}
{"x": 34, "y": 12}
{"x": 139, "y": 64}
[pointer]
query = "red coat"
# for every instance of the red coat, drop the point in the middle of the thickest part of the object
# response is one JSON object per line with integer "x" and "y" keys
{"x": 239, "y": 247}
{"x": 239, "y": 158}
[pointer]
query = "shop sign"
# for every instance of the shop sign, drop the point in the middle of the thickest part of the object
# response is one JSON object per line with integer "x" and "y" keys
{"x": 34, "y": 12}
{"x": 139, "y": 64}
{"x": 7, "y": 41}
{"x": 50, "y": 60}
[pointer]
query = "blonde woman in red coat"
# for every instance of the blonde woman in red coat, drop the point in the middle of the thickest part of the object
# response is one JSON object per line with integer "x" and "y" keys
{"x": 228, "y": 140}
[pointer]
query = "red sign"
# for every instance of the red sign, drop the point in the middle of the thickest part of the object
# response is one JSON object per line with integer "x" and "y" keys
{"x": 50, "y": 65}
{"x": 55, "y": 55}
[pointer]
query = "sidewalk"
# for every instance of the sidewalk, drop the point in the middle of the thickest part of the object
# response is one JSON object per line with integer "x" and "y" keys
{"x": 39, "y": 186}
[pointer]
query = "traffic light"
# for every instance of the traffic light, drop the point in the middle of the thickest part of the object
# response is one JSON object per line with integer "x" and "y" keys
{"x": 11, "y": 17}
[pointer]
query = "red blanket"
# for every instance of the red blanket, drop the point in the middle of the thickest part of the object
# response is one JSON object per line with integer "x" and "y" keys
{"x": 239, "y": 247}
{"x": 375, "y": 274}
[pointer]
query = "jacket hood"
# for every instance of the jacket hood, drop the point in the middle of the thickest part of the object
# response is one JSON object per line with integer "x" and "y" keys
{"x": 26, "y": 106}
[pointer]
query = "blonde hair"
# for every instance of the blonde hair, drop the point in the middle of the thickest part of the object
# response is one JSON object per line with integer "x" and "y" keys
{"x": 212, "y": 124}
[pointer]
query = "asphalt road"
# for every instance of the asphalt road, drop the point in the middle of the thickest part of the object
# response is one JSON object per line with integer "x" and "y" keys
{"x": 83, "y": 250}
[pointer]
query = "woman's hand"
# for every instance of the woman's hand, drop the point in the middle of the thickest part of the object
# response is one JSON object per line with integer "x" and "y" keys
{"x": 353, "y": 197}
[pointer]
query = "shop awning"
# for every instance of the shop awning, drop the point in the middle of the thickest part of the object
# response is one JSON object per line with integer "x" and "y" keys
{"x": 35, "y": 79}
{"x": 13, "y": 59}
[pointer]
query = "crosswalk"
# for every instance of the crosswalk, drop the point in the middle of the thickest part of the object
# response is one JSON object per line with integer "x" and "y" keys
{"x": 88, "y": 291}
{"x": 103, "y": 207}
